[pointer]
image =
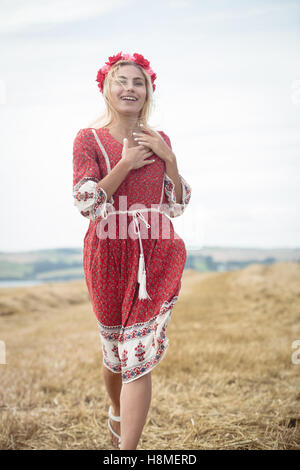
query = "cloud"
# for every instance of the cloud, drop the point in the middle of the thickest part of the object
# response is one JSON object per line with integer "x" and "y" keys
{"x": 179, "y": 3}
{"x": 243, "y": 13}
{"x": 18, "y": 15}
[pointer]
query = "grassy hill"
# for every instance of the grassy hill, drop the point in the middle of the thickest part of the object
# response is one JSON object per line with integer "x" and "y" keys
{"x": 47, "y": 265}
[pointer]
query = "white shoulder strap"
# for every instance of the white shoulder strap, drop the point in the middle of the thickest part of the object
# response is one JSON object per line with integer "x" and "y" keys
{"x": 103, "y": 151}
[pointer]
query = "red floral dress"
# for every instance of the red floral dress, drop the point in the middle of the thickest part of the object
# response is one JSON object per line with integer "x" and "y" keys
{"x": 133, "y": 259}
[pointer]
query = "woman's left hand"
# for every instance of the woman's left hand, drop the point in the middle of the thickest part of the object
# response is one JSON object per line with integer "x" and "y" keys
{"x": 155, "y": 142}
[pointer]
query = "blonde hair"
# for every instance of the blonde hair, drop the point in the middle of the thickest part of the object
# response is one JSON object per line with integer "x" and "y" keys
{"x": 110, "y": 113}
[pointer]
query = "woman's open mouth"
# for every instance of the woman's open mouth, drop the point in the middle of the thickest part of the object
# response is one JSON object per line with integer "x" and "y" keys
{"x": 129, "y": 98}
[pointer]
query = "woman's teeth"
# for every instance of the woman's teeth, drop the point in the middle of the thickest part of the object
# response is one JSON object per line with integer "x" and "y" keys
{"x": 129, "y": 99}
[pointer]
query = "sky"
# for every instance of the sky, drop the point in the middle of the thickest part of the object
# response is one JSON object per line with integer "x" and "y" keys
{"x": 227, "y": 94}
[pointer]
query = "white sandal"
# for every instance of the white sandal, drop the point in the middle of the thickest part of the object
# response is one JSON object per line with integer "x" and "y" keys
{"x": 114, "y": 418}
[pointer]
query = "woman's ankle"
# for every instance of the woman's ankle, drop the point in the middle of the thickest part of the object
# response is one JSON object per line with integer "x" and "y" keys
{"x": 116, "y": 410}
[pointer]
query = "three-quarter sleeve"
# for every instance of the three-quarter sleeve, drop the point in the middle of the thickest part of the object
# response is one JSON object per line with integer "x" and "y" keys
{"x": 174, "y": 208}
{"x": 88, "y": 197}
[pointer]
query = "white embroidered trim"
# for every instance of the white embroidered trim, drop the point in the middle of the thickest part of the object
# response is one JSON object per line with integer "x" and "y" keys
{"x": 175, "y": 209}
{"x": 90, "y": 200}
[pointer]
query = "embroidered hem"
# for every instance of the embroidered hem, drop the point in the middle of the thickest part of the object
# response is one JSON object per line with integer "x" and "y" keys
{"x": 135, "y": 350}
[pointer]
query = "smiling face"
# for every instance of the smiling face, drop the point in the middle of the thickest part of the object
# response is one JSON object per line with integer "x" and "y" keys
{"x": 128, "y": 82}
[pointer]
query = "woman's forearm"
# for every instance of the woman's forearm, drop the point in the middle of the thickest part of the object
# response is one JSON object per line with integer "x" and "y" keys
{"x": 112, "y": 181}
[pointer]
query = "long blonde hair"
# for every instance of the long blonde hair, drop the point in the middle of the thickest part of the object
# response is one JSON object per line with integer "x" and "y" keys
{"x": 110, "y": 113}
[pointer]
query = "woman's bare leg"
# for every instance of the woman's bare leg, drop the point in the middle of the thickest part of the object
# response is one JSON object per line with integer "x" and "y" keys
{"x": 135, "y": 403}
{"x": 113, "y": 383}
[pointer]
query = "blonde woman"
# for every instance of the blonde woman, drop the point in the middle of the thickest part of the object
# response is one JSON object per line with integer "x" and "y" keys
{"x": 126, "y": 182}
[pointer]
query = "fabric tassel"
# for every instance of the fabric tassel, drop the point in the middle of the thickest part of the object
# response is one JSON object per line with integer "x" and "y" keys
{"x": 143, "y": 294}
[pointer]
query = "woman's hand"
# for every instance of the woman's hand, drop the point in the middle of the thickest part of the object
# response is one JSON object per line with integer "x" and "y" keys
{"x": 136, "y": 156}
{"x": 155, "y": 142}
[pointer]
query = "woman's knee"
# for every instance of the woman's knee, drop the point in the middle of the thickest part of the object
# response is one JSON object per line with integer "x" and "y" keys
{"x": 143, "y": 378}
{"x": 106, "y": 370}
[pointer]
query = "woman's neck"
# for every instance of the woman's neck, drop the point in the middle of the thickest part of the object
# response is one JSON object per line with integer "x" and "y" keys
{"x": 124, "y": 128}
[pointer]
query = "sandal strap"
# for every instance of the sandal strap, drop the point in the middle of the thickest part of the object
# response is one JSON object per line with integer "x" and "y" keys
{"x": 114, "y": 418}
{"x": 114, "y": 432}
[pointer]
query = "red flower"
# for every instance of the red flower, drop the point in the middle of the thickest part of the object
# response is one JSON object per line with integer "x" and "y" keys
{"x": 100, "y": 79}
{"x": 99, "y": 75}
{"x": 113, "y": 59}
{"x": 140, "y": 60}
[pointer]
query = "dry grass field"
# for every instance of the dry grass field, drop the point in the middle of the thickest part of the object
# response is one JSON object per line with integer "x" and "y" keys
{"x": 227, "y": 380}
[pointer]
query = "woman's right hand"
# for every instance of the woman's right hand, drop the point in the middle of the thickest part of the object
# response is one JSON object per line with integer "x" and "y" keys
{"x": 136, "y": 155}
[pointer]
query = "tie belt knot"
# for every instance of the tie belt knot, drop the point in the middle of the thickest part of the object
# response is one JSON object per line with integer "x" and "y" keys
{"x": 137, "y": 214}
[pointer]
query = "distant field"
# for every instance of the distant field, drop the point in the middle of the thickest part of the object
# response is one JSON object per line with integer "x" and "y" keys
{"x": 226, "y": 382}
{"x": 67, "y": 263}
{"x": 62, "y": 273}
{"x": 54, "y": 264}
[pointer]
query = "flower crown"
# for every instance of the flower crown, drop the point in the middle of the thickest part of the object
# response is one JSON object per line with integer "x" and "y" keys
{"x": 136, "y": 58}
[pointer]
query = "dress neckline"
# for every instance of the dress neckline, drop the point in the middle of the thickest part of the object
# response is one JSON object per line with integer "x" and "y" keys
{"x": 111, "y": 136}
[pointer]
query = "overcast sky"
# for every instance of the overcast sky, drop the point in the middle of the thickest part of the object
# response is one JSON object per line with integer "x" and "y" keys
{"x": 228, "y": 96}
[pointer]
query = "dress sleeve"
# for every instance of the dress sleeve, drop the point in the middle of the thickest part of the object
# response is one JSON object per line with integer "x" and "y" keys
{"x": 89, "y": 200}
{"x": 175, "y": 208}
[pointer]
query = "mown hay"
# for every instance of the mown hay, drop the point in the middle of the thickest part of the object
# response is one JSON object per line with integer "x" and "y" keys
{"x": 227, "y": 380}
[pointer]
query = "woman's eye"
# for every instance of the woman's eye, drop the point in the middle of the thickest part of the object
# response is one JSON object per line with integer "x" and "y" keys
{"x": 137, "y": 83}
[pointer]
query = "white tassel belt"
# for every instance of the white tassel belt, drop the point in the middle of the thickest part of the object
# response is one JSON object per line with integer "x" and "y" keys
{"x": 137, "y": 214}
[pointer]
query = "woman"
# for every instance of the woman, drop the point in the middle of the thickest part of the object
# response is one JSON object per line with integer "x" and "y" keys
{"x": 133, "y": 259}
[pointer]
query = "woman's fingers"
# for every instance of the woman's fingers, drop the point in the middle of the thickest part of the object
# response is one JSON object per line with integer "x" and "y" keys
{"x": 148, "y": 162}
{"x": 145, "y": 153}
{"x": 149, "y": 154}
{"x": 147, "y": 150}
{"x": 144, "y": 142}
